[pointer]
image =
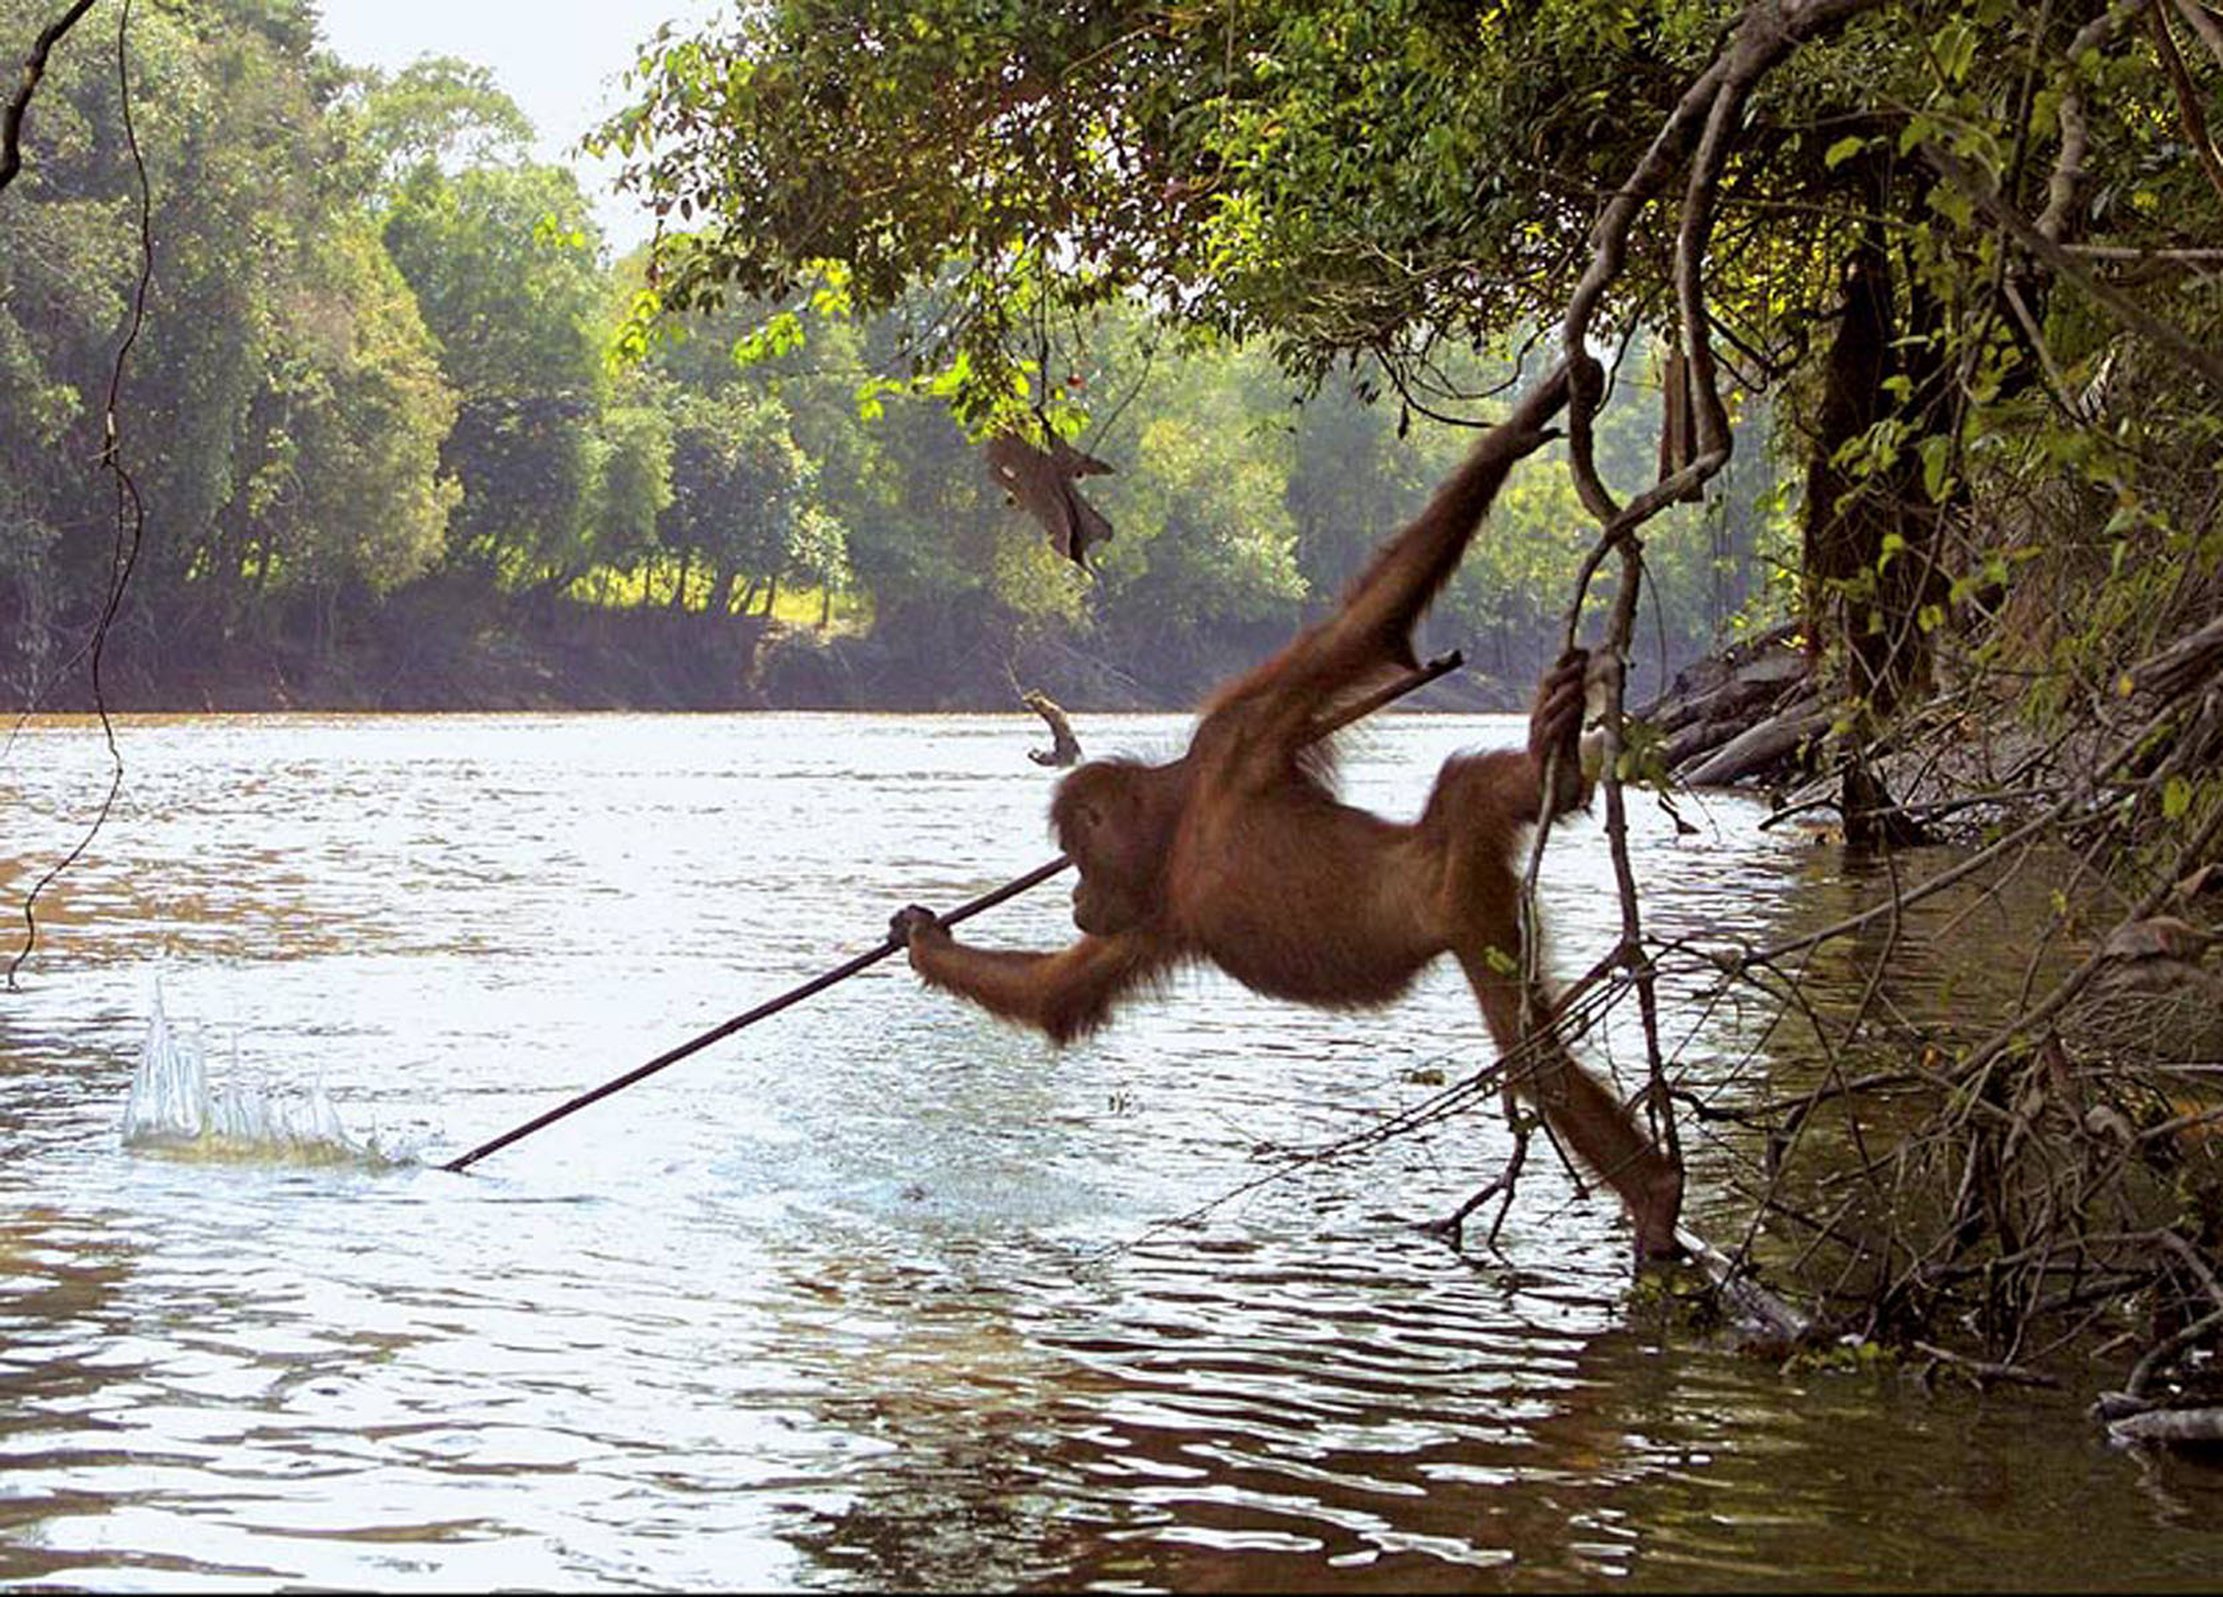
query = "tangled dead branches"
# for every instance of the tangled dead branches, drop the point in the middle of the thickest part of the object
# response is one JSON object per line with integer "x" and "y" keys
{"x": 2025, "y": 1158}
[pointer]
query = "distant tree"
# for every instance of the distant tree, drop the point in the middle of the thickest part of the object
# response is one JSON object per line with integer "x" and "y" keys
{"x": 440, "y": 112}
{"x": 1204, "y": 534}
{"x": 502, "y": 261}
{"x": 345, "y": 487}
{"x": 283, "y": 409}
{"x": 632, "y": 455}
{"x": 741, "y": 491}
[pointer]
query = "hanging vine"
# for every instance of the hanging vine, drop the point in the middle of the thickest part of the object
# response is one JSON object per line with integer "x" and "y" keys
{"x": 130, "y": 520}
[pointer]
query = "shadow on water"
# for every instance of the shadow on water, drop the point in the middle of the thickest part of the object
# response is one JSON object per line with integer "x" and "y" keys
{"x": 1246, "y": 1416}
{"x": 879, "y": 1295}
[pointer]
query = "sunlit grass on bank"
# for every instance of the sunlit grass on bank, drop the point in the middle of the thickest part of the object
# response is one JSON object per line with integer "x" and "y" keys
{"x": 664, "y": 584}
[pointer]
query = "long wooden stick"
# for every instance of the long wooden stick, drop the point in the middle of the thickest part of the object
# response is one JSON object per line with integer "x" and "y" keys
{"x": 1443, "y": 665}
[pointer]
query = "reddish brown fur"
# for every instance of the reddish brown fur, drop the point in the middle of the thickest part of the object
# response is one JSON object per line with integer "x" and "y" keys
{"x": 1239, "y": 854}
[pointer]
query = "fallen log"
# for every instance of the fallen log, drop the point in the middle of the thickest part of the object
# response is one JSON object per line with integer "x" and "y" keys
{"x": 1699, "y": 738}
{"x": 2184, "y": 665}
{"x": 1760, "y": 748}
{"x": 1734, "y": 682}
{"x": 2174, "y": 1427}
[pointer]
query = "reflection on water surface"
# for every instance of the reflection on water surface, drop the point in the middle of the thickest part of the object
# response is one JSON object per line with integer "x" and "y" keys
{"x": 876, "y": 1294}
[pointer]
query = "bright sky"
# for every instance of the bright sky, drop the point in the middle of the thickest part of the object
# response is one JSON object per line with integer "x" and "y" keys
{"x": 562, "y": 61}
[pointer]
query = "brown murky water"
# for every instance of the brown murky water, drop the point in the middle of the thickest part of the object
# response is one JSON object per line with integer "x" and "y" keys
{"x": 877, "y": 1294}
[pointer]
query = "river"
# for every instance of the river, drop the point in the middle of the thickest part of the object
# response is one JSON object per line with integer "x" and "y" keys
{"x": 877, "y": 1294}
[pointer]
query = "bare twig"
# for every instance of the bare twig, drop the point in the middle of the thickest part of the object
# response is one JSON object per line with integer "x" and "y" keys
{"x": 2138, "y": 254}
{"x": 1985, "y": 1372}
{"x": 2195, "y": 1263}
{"x": 2024, "y": 1023}
{"x": 34, "y": 69}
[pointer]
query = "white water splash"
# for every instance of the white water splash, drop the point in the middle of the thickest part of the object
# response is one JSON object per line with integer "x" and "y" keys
{"x": 172, "y": 1109}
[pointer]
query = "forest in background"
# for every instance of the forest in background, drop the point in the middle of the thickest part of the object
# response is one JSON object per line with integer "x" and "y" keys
{"x": 391, "y": 453}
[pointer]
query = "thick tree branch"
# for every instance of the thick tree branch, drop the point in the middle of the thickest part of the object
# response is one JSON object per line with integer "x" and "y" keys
{"x": 2068, "y": 165}
{"x": 1708, "y": 117}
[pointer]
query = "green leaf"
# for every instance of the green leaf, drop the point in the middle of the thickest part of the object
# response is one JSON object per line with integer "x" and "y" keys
{"x": 1953, "y": 204}
{"x": 1956, "y": 50}
{"x": 1937, "y": 465}
{"x": 781, "y": 334}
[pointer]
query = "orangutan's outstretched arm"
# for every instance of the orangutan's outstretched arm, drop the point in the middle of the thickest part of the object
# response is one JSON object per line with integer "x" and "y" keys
{"x": 1371, "y": 634}
{"x": 1064, "y": 995}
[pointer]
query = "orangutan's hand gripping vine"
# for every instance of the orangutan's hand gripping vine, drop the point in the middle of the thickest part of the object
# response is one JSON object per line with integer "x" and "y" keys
{"x": 1238, "y": 854}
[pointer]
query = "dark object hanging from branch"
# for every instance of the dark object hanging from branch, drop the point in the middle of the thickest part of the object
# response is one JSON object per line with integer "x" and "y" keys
{"x": 1678, "y": 439}
{"x": 1040, "y": 482}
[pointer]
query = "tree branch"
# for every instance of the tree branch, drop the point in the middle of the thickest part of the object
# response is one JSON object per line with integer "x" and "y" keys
{"x": 2188, "y": 97}
{"x": 34, "y": 69}
{"x": 2211, "y": 34}
{"x": 2068, "y": 165}
{"x": 2170, "y": 340}
{"x": 1708, "y": 118}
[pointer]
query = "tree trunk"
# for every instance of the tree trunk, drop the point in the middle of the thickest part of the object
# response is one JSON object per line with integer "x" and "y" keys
{"x": 1859, "y": 589}
{"x": 1872, "y": 819}
{"x": 679, "y": 584}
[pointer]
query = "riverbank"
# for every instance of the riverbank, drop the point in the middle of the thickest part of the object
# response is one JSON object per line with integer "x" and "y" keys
{"x": 434, "y": 649}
